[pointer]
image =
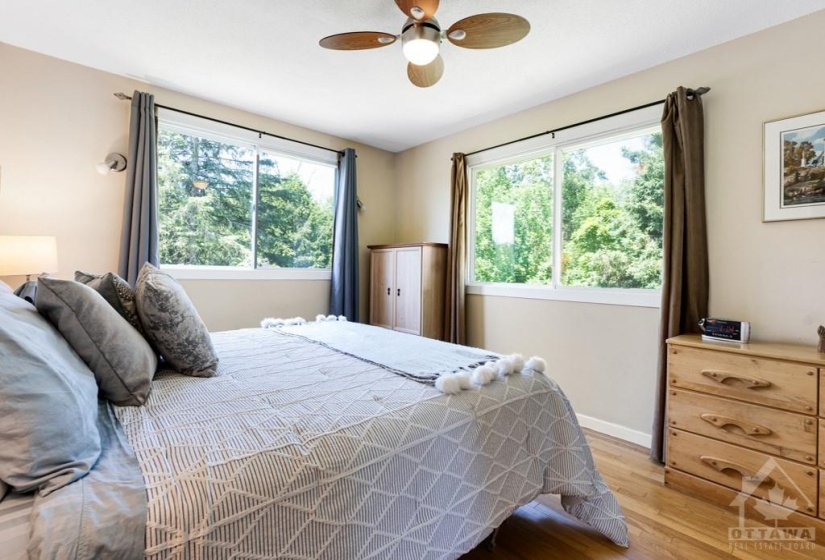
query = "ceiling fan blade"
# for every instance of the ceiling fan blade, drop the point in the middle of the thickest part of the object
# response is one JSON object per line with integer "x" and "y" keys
{"x": 357, "y": 41}
{"x": 418, "y": 9}
{"x": 488, "y": 31}
{"x": 426, "y": 76}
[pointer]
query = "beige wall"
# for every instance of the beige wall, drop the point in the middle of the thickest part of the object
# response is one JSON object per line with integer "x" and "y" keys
{"x": 58, "y": 119}
{"x": 768, "y": 273}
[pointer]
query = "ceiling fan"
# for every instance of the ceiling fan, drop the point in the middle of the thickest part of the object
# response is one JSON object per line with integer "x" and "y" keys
{"x": 421, "y": 37}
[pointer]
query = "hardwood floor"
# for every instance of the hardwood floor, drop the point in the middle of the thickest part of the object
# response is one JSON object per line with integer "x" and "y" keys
{"x": 663, "y": 524}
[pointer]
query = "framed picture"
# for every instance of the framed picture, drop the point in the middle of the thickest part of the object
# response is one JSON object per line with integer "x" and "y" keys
{"x": 794, "y": 168}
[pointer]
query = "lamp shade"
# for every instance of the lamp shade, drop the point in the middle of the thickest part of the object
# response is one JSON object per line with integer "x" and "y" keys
{"x": 27, "y": 254}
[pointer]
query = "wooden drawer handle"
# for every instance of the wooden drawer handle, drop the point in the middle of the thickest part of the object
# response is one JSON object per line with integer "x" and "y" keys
{"x": 721, "y": 377}
{"x": 723, "y": 465}
{"x": 750, "y": 428}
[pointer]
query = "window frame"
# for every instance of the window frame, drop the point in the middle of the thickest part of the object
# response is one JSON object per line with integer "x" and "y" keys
{"x": 183, "y": 123}
{"x": 589, "y": 133}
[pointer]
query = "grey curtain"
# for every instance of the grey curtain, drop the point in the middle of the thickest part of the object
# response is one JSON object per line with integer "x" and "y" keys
{"x": 139, "y": 237}
{"x": 685, "y": 274}
{"x": 455, "y": 325}
{"x": 343, "y": 298}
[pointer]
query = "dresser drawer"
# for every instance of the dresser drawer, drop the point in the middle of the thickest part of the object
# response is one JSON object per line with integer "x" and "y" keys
{"x": 786, "y": 385}
{"x": 740, "y": 469}
{"x": 786, "y": 434}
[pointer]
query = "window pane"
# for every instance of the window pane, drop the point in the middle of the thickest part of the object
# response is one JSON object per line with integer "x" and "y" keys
{"x": 612, "y": 200}
{"x": 205, "y": 195}
{"x": 294, "y": 213}
{"x": 513, "y": 222}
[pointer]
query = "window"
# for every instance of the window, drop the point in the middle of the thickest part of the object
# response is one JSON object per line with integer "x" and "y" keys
{"x": 575, "y": 217}
{"x": 232, "y": 200}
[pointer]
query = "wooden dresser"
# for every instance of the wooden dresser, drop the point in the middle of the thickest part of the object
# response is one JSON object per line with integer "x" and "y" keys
{"x": 748, "y": 418}
{"x": 407, "y": 285}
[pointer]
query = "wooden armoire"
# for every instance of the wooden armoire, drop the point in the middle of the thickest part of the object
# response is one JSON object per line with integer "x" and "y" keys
{"x": 407, "y": 284}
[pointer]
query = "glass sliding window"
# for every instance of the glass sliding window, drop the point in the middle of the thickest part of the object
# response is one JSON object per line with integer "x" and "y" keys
{"x": 240, "y": 203}
{"x": 612, "y": 210}
{"x": 204, "y": 200}
{"x": 514, "y": 222}
{"x": 294, "y": 220}
{"x": 572, "y": 216}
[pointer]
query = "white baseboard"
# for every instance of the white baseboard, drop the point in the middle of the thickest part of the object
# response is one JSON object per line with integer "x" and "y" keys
{"x": 615, "y": 430}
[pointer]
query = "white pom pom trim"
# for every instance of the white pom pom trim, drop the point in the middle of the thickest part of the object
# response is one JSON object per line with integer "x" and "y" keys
{"x": 518, "y": 362}
{"x": 482, "y": 375}
{"x": 449, "y": 384}
{"x": 272, "y": 323}
{"x": 536, "y": 364}
{"x": 504, "y": 367}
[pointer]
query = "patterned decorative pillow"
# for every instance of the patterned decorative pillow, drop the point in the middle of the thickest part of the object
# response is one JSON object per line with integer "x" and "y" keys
{"x": 121, "y": 359}
{"x": 48, "y": 403}
{"x": 116, "y": 291}
{"x": 172, "y": 324}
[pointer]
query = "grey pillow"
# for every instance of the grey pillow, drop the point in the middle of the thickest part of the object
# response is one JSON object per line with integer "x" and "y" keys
{"x": 172, "y": 324}
{"x": 48, "y": 403}
{"x": 122, "y": 361}
{"x": 116, "y": 291}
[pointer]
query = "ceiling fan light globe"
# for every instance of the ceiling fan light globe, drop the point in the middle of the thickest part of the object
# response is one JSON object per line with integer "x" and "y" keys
{"x": 420, "y": 42}
{"x": 420, "y": 51}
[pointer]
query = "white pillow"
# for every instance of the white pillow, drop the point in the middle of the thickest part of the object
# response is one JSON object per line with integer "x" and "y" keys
{"x": 5, "y": 288}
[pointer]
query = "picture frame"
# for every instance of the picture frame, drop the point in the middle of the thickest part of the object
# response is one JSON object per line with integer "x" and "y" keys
{"x": 794, "y": 173}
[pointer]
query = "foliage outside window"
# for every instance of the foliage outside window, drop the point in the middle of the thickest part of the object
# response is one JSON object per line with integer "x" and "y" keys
{"x": 227, "y": 203}
{"x": 609, "y": 210}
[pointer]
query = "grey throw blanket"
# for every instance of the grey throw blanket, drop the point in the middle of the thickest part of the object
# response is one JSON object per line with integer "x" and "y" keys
{"x": 416, "y": 357}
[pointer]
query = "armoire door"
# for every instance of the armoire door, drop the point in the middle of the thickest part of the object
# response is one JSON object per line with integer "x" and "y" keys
{"x": 382, "y": 302}
{"x": 408, "y": 290}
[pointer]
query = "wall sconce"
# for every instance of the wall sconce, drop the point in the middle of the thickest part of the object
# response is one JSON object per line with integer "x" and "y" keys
{"x": 114, "y": 163}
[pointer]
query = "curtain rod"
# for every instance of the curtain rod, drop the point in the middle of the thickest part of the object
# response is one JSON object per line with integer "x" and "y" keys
{"x": 697, "y": 92}
{"x": 124, "y": 97}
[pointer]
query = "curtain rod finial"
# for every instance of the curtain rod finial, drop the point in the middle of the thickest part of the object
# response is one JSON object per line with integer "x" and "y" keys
{"x": 122, "y": 96}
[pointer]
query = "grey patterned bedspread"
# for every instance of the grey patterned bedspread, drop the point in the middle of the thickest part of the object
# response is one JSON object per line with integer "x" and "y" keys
{"x": 296, "y": 451}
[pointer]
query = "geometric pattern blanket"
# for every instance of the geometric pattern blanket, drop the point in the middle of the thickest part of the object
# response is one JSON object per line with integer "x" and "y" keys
{"x": 297, "y": 451}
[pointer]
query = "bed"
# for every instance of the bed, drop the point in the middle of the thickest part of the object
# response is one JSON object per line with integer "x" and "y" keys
{"x": 314, "y": 441}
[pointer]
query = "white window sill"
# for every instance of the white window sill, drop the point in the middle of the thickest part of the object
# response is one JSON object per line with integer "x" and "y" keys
{"x": 183, "y": 272}
{"x": 605, "y": 296}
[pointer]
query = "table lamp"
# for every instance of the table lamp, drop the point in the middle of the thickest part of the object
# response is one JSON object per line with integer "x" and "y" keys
{"x": 24, "y": 255}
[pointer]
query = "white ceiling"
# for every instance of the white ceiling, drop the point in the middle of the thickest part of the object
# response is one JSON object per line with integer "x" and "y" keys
{"x": 263, "y": 55}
